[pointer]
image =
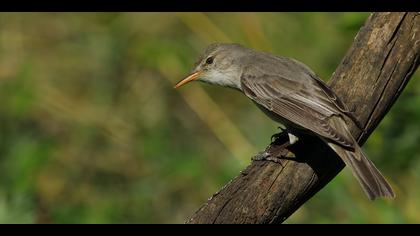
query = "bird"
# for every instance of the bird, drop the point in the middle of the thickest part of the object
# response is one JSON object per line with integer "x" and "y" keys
{"x": 291, "y": 94}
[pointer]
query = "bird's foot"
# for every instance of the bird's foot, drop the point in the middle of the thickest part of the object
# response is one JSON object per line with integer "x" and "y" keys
{"x": 277, "y": 151}
{"x": 261, "y": 156}
{"x": 277, "y": 136}
{"x": 265, "y": 156}
{"x": 284, "y": 135}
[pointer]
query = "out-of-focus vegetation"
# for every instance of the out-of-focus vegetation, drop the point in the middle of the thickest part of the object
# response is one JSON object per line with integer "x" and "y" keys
{"x": 92, "y": 131}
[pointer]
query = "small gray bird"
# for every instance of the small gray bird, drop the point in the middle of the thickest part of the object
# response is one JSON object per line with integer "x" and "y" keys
{"x": 292, "y": 94}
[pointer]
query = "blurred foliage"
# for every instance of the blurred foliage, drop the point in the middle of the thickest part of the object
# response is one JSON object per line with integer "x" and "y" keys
{"x": 92, "y": 131}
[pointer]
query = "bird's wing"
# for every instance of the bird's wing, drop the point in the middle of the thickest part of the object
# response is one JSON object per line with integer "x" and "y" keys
{"x": 303, "y": 101}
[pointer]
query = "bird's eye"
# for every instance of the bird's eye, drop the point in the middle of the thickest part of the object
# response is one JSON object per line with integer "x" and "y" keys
{"x": 209, "y": 60}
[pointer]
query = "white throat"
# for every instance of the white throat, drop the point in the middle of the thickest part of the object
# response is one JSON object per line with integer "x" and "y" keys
{"x": 227, "y": 78}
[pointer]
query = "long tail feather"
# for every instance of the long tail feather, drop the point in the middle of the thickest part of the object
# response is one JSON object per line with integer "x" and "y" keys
{"x": 369, "y": 177}
{"x": 372, "y": 181}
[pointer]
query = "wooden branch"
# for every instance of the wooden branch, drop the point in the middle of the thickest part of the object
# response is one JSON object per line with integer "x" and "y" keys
{"x": 372, "y": 75}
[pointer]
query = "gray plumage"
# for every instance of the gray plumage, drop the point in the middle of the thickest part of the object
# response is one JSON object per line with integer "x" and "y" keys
{"x": 290, "y": 93}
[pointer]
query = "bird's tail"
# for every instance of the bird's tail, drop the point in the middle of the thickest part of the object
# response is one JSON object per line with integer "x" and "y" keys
{"x": 372, "y": 181}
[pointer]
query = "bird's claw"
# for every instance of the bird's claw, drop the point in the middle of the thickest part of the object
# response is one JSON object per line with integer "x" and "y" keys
{"x": 278, "y": 135}
{"x": 265, "y": 156}
{"x": 262, "y": 156}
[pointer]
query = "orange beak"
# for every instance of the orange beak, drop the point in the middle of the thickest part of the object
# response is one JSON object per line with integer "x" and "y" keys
{"x": 188, "y": 79}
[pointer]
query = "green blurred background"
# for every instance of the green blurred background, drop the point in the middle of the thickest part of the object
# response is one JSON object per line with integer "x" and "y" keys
{"x": 92, "y": 131}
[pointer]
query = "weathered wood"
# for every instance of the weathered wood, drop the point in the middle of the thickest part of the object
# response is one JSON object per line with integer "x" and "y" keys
{"x": 384, "y": 55}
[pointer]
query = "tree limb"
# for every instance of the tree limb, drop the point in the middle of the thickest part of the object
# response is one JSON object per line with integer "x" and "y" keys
{"x": 375, "y": 70}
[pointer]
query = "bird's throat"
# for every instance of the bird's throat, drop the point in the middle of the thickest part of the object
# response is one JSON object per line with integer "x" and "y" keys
{"x": 226, "y": 79}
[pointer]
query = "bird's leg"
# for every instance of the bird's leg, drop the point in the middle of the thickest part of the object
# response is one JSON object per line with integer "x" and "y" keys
{"x": 283, "y": 131}
{"x": 278, "y": 135}
{"x": 273, "y": 153}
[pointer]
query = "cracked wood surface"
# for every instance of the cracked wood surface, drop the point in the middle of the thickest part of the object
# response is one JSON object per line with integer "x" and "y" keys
{"x": 375, "y": 70}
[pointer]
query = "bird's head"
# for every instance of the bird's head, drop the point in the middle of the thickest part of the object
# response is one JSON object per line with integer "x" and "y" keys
{"x": 220, "y": 64}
